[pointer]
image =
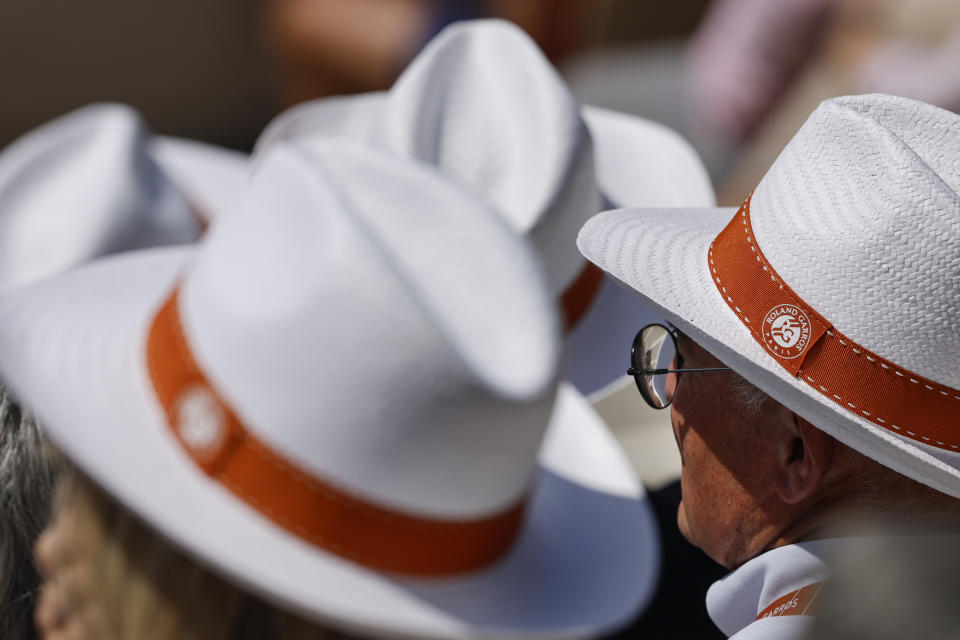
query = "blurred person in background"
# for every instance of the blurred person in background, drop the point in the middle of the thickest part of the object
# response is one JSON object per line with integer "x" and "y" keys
{"x": 335, "y": 417}
{"x": 801, "y": 408}
{"x": 331, "y": 47}
{"x": 741, "y": 82}
{"x": 743, "y": 58}
{"x": 900, "y": 47}
{"x": 86, "y": 185}
{"x": 890, "y": 586}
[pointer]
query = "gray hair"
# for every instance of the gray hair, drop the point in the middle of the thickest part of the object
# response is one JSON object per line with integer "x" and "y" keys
{"x": 27, "y": 477}
{"x": 880, "y": 491}
{"x": 751, "y": 398}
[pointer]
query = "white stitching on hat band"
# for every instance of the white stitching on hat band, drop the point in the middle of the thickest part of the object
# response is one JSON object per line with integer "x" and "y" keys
{"x": 809, "y": 347}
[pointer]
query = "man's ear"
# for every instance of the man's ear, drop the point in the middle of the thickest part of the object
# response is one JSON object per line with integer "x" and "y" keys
{"x": 803, "y": 457}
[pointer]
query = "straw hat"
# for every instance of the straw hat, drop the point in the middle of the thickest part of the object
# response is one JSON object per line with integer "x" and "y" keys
{"x": 836, "y": 287}
{"x": 82, "y": 186}
{"x": 338, "y": 401}
{"x": 483, "y": 105}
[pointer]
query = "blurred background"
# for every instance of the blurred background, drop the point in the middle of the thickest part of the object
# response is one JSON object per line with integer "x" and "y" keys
{"x": 736, "y": 77}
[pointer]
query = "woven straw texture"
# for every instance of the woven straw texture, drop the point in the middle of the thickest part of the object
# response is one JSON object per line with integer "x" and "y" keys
{"x": 860, "y": 216}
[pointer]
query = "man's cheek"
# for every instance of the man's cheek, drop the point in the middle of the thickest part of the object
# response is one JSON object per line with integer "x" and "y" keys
{"x": 679, "y": 428}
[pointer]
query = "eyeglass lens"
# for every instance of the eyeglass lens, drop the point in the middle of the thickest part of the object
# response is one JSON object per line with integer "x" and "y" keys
{"x": 655, "y": 348}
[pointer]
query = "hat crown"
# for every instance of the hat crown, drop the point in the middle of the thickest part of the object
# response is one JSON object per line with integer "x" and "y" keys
{"x": 483, "y": 104}
{"x": 80, "y": 187}
{"x": 397, "y": 341}
{"x": 860, "y": 216}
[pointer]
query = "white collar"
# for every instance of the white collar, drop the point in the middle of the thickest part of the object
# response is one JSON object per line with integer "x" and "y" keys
{"x": 735, "y": 601}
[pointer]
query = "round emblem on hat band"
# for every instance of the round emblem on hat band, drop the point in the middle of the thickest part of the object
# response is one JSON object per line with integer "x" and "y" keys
{"x": 786, "y": 331}
{"x": 304, "y": 504}
{"x": 200, "y": 421}
{"x": 803, "y": 342}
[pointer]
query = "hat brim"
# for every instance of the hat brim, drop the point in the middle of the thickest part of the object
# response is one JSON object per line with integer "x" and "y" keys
{"x": 597, "y": 349}
{"x": 641, "y": 163}
{"x": 586, "y": 560}
{"x": 661, "y": 254}
{"x": 210, "y": 178}
{"x": 638, "y": 163}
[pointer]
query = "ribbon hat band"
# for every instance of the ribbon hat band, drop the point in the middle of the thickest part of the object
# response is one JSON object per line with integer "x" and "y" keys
{"x": 311, "y": 508}
{"x": 808, "y": 346}
{"x": 580, "y": 294}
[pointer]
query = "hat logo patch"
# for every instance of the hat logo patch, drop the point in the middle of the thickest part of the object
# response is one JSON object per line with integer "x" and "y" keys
{"x": 201, "y": 422}
{"x": 786, "y": 331}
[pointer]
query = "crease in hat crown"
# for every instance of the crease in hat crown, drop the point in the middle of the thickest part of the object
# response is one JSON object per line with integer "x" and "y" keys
{"x": 483, "y": 105}
{"x": 860, "y": 216}
{"x": 410, "y": 349}
{"x": 83, "y": 186}
{"x": 295, "y": 274}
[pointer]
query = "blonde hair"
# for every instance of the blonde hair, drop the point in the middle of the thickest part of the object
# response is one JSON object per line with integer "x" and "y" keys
{"x": 143, "y": 588}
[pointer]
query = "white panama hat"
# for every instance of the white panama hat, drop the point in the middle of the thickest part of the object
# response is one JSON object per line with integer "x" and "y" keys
{"x": 484, "y": 106}
{"x": 373, "y": 374}
{"x": 836, "y": 287}
{"x": 82, "y": 186}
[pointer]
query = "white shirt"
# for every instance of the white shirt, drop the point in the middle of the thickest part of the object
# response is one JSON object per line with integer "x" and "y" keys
{"x": 780, "y": 585}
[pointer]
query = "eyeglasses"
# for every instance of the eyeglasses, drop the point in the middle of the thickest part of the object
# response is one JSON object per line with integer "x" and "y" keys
{"x": 656, "y": 363}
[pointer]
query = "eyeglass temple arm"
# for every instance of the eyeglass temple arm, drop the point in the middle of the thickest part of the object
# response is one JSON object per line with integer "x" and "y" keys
{"x": 653, "y": 372}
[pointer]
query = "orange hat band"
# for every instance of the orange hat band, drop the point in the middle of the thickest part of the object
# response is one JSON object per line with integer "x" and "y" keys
{"x": 306, "y": 506}
{"x": 576, "y": 299}
{"x": 807, "y": 345}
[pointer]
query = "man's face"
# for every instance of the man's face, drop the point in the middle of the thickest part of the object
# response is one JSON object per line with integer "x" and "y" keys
{"x": 727, "y": 476}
